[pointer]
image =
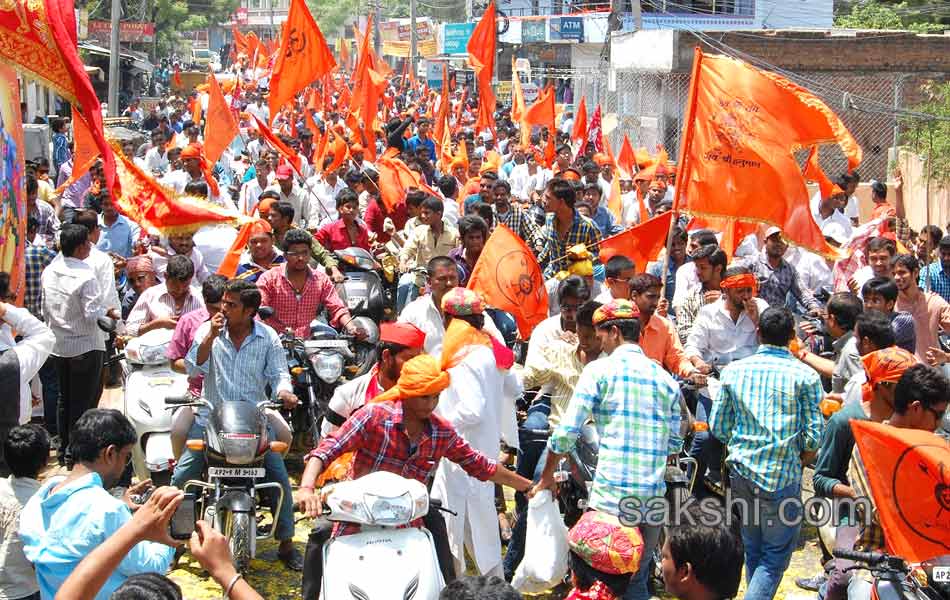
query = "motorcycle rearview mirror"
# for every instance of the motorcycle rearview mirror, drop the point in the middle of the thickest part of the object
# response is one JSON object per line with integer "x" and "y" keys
{"x": 106, "y": 323}
{"x": 265, "y": 312}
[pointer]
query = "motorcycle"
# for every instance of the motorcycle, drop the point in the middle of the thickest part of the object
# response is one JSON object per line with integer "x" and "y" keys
{"x": 235, "y": 442}
{"x": 894, "y": 579}
{"x": 149, "y": 379}
{"x": 387, "y": 559}
{"x": 370, "y": 300}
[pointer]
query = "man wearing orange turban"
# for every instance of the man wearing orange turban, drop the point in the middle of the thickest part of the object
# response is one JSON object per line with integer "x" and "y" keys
{"x": 403, "y": 436}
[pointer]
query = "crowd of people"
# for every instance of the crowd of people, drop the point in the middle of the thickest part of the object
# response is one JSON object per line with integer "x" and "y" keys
{"x": 765, "y": 334}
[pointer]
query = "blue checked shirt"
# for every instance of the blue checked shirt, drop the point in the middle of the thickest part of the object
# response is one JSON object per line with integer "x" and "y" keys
{"x": 554, "y": 253}
{"x": 767, "y": 414}
{"x": 37, "y": 258}
{"x": 635, "y": 406}
{"x": 939, "y": 280}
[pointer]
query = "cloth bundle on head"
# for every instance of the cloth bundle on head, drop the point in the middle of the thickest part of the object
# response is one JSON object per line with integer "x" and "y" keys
{"x": 580, "y": 262}
{"x": 744, "y": 280}
{"x": 265, "y": 205}
{"x": 196, "y": 152}
{"x": 406, "y": 335}
{"x": 885, "y": 365}
{"x": 605, "y": 544}
{"x": 616, "y": 309}
{"x": 139, "y": 264}
{"x": 420, "y": 376}
{"x": 461, "y": 336}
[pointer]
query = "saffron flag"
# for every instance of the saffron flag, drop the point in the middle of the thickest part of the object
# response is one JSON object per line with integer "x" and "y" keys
{"x": 160, "y": 211}
{"x": 303, "y": 56}
{"x": 508, "y": 276}
{"x": 240, "y": 40}
{"x": 220, "y": 126}
{"x": 733, "y": 231}
{"x": 580, "y": 121}
{"x": 86, "y": 151}
{"x": 39, "y": 38}
{"x": 285, "y": 151}
{"x": 176, "y": 78}
{"x": 641, "y": 244}
{"x": 593, "y": 137}
{"x": 743, "y": 125}
{"x": 395, "y": 178}
{"x": 907, "y": 471}
{"x": 518, "y": 107}
{"x": 338, "y": 149}
{"x": 814, "y": 172}
{"x": 542, "y": 111}
{"x": 481, "y": 57}
{"x": 627, "y": 159}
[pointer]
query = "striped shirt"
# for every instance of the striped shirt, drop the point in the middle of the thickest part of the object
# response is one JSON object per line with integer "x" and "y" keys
{"x": 635, "y": 406}
{"x": 767, "y": 414}
{"x": 71, "y": 305}
{"x": 939, "y": 280}
{"x": 157, "y": 303}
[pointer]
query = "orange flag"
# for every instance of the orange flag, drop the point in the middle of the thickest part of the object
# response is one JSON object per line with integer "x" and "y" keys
{"x": 642, "y": 243}
{"x": 508, "y": 276}
{"x": 481, "y": 57}
{"x": 86, "y": 151}
{"x": 459, "y": 110}
{"x": 160, "y": 211}
{"x": 176, "y": 78}
{"x": 232, "y": 260}
{"x": 284, "y": 150}
{"x": 815, "y": 173}
{"x": 303, "y": 57}
{"x": 442, "y": 116}
{"x": 395, "y": 178}
{"x": 733, "y": 231}
{"x": 339, "y": 150}
{"x": 580, "y": 121}
{"x": 196, "y": 110}
{"x": 907, "y": 470}
{"x": 240, "y": 40}
{"x": 345, "y": 52}
{"x": 253, "y": 45}
{"x": 627, "y": 160}
{"x": 518, "y": 107}
{"x": 549, "y": 151}
{"x": 220, "y": 126}
{"x": 742, "y": 126}
{"x": 542, "y": 111}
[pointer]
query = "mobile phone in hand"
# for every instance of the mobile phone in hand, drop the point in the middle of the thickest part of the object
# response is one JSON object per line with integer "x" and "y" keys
{"x": 183, "y": 521}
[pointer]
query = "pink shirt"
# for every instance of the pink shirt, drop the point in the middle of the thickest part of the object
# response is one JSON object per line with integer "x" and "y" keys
{"x": 931, "y": 313}
{"x": 156, "y": 303}
{"x": 182, "y": 340}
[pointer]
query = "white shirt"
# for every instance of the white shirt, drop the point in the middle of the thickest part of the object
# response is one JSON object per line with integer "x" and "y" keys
{"x": 861, "y": 276}
{"x": 524, "y": 183}
{"x": 687, "y": 281}
{"x": 155, "y": 161}
{"x": 422, "y": 313}
{"x": 19, "y": 577}
{"x": 213, "y": 243}
{"x": 177, "y": 180}
{"x": 322, "y": 204}
{"x": 630, "y": 209}
{"x": 346, "y": 399}
{"x": 254, "y": 148}
{"x": 835, "y": 217}
{"x": 298, "y": 199}
{"x": 250, "y": 193}
{"x": 815, "y": 272}
{"x": 717, "y": 339}
{"x": 101, "y": 263}
{"x": 71, "y": 305}
{"x": 160, "y": 263}
{"x": 851, "y": 208}
{"x": 604, "y": 296}
{"x": 32, "y": 351}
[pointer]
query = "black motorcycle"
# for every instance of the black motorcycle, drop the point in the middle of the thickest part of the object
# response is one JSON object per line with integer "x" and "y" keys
{"x": 370, "y": 298}
{"x": 229, "y": 497}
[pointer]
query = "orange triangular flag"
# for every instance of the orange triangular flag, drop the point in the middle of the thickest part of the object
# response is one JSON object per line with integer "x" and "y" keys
{"x": 549, "y": 151}
{"x": 518, "y": 106}
{"x": 286, "y": 151}
{"x": 240, "y": 40}
{"x": 508, "y": 276}
{"x": 814, "y": 172}
{"x": 627, "y": 160}
{"x": 481, "y": 57}
{"x": 542, "y": 111}
{"x": 303, "y": 57}
{"x": 196, "y": 110}
{"x": 908, "y": 471}
{"x": 220, "y": 126}
{"x": 580, "y": 121}
{"x": 641, "y": 244}
{"x": 340, "y": 152}
{"x": 232, "y": 260}
{"x": 615, "y": 201}
{"x": 742, "y": 129}
{"x": 86, "y": 151}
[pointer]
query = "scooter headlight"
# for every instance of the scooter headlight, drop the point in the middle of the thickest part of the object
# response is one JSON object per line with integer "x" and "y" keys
{"x": 328, "y": 366}
{"x": 396, "y": 510}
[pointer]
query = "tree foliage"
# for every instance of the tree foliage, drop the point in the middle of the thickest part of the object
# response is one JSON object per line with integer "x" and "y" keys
{"x": 919, "y": 135}
{"x": 919, "y": 17}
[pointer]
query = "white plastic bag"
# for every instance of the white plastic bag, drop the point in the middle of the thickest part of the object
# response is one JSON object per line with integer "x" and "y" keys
{"x": 545, "y": 553}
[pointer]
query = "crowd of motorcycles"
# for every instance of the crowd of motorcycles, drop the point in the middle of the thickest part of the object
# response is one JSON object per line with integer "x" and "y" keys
{"x": 234, "y": 497}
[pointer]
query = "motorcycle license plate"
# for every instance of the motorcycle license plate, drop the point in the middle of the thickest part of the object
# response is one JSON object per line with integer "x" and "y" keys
{"x": 236, "y": 472}
{"x": 941, "y": 574}
{"x": 316, "y": 344}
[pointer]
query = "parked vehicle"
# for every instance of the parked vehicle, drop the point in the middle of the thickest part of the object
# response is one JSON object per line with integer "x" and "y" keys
{"x": 894, "y": 579}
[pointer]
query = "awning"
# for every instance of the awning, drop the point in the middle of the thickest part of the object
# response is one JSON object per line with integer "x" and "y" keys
{"x": 95, "y": 73}
{"x": 136, "y": 62}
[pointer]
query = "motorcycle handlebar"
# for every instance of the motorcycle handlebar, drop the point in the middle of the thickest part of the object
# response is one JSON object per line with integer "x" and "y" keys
{"x": 871, "y": 558}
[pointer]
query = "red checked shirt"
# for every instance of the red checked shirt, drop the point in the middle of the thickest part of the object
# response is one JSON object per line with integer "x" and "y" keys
{"x": 375, "y": 433}
{"x": 293, "y": 310}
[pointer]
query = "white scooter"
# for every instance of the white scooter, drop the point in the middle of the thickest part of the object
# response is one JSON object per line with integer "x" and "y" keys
{"x": 387, "y": 560}
{"x": 148, "y": 381}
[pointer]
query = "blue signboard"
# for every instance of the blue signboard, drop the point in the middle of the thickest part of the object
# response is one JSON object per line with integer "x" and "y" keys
{"x": 456, "y": 37}
{"x": 567, "y": 29}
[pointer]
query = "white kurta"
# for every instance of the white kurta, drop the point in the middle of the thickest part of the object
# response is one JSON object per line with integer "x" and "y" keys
{"x": 480, "y": 404}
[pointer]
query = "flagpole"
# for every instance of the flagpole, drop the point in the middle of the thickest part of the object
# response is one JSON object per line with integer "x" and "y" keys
{"x": 683, "y": 166}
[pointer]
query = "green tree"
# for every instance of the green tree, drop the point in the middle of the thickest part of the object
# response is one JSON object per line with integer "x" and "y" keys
{"x": 919, "y": 17}
{"x": 919, "y": 134}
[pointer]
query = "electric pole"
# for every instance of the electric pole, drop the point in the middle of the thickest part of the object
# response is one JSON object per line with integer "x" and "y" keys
{"x": 413, "y": 38}
{"x": 114, "y": 59}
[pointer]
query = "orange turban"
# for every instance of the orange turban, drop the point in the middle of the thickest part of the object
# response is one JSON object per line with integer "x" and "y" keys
{"x": 191, "y": 151}
{"x": 885, "y": 365}
{"x": 265, "y": 205}
{"x": 646, "y": 174}
{"x": 743, "y": 280}
{"x": 420, "y": 376}
{"x": 602, "y": 159}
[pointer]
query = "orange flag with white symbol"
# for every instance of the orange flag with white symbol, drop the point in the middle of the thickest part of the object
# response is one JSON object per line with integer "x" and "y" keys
{"x": 908, "y": 471}
{"x": 508, "y": 276}
{"x": 303, "y": 57}
{"x": 743, "y": 125}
